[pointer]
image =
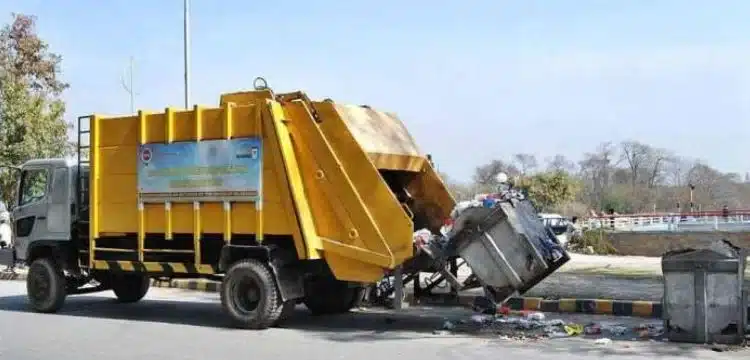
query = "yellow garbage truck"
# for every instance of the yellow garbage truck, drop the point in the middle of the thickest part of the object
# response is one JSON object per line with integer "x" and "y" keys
{"x": 283, "y": 199}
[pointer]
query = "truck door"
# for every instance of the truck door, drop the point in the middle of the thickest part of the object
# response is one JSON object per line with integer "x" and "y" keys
{"x": 30, "y": 213}
{"x": 59, "y": 200}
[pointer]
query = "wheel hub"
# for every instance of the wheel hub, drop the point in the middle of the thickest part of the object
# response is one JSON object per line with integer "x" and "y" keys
{"x": 246, "y": 296}
{"x": 40, "y": 285}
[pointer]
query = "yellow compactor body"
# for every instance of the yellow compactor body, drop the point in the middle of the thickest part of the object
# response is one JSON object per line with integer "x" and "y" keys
{"x": 290, "y": 199}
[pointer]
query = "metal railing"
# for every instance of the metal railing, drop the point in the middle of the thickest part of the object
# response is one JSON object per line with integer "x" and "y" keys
{"x": 672, "y": 222}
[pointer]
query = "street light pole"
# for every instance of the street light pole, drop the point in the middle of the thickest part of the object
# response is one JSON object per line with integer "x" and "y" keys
{"x": 128, "y": 85}
{"x": 186, "y": 55}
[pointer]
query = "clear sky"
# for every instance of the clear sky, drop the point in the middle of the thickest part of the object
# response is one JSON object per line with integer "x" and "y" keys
{"x": 497, "y": 77}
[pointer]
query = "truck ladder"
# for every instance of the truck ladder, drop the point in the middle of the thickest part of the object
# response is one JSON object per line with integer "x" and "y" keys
{"x": 82, "y": 188}
{"x": 83, "y": 146}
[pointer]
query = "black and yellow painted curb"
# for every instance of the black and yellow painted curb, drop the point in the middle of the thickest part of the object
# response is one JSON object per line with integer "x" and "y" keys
{"x": 7, "y": 275}
{"x": 646, "y": 309}
{"x": 188, "y": 284}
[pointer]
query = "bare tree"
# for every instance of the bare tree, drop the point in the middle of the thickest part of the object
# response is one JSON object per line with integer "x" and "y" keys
{"x": 485, "y": 174}
{"x": 596, "y": 171}
{"x": 561, "y": 163}
{"x": 677, "y": 169}
{"x": 636, "y": 155}
{"x": 526, "y": 163}
{"x": 658, "y": 161}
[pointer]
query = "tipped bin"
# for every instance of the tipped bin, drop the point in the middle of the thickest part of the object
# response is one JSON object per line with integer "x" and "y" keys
{"x": 507, "y": 246}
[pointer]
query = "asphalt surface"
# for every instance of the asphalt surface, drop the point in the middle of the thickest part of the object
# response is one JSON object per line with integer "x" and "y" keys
{"x": 178, "y": 324}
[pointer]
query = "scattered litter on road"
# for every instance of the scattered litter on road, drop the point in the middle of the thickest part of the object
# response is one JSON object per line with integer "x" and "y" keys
{"x": 557, "y": 334}
{"x": 617, "y": 330}
{"x": 650, "y": 330}
{"x": 447, "y": 325}
{"x": 603, "y": 341}
{"x": 592, "y": 329}
{"x": 482, "y": 319}
{"x": 538, "y": 316}
{"x": 574, "y": 329}
{"x": 535, "y": 325}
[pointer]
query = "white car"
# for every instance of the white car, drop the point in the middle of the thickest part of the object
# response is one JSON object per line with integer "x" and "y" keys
{"x": 559, "y": 225}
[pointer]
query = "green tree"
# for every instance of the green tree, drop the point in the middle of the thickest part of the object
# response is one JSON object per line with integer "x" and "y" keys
{"x": 31, "y": 107}
{"x": 550, "y": 189}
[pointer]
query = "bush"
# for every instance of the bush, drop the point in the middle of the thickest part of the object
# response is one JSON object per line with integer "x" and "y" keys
{"x": 596, "y": 239}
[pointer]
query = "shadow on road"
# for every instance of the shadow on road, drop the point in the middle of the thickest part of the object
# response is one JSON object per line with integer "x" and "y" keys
{"x": 353, "y": 326}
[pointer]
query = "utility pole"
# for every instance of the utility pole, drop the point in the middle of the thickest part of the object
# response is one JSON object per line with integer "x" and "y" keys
{"x": 692, "y": 188}
{"x": 127, "y": 83}
{"x": 186, "y": 55}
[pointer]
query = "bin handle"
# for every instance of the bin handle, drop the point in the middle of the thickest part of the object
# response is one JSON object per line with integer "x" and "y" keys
{"x": 408, "y": 211}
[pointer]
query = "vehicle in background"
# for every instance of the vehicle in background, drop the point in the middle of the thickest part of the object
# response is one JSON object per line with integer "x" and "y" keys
{"x": 560, "y": 226}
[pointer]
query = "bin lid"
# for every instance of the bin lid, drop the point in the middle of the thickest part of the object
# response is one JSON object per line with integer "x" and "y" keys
{"x": 700, "y": 259}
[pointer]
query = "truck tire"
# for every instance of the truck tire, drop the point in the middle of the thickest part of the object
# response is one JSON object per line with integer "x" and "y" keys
{"x": 130, "y": 288}
{"x": 326, "y": 297}
{"x": 45, "y": 285}
{"x": 249, "y": 295}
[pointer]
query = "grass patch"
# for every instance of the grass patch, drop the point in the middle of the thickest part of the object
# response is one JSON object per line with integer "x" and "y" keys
{"x": 621, "y": 273}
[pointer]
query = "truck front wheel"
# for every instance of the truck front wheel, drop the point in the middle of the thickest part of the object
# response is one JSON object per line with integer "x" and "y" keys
{"x": 249, "y": 295}
{"x": 130, "y": 288}
{"x": 45, "y": 285}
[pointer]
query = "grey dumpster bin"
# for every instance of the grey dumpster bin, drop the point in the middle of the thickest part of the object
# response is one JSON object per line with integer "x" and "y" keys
{"x": 507, "y": 247}
{"x": 703, "y": 298}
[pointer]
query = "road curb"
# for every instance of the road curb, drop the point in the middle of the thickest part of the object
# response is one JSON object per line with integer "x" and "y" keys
{"x": 635, "y": 308}
{"x": 6, "y": 275}
{"x": 645, "y": 309}
{"x": 188, "y": 284}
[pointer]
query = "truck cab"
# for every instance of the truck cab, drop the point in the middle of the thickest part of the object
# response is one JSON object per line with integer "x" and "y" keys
{"x": 45, "y": 212}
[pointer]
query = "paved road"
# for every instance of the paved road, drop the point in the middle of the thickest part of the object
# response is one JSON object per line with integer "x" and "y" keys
{"x": 176, "y": 324}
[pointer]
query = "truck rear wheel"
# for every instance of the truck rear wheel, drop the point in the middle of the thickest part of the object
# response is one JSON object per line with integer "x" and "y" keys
{"x": 325, "y": 297}
{"x": 45, "y": 285}
{"x": 130, "y": 288}
{"x": 249, "y": 295}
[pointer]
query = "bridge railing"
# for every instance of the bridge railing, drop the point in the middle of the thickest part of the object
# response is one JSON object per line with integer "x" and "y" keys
{"x": 738, "y": 220}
